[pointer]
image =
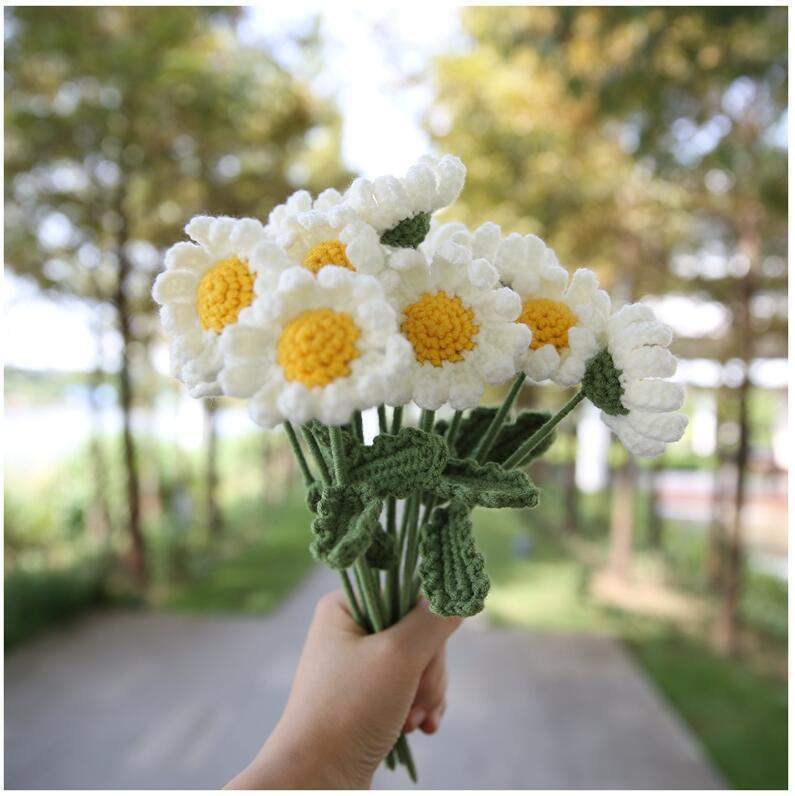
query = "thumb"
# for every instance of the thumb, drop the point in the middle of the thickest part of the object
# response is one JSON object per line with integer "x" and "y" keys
{"x": 421, "y": 633}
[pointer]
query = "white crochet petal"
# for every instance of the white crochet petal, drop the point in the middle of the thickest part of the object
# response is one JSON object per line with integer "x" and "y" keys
{"x": 486, "y": 240}
{"x": 198, "y": 228}
{"x": 653, "y": 395}
{"x": 186, "y": 256}
{"x": 179, "y": 318}
{"x": 243, "y": 341}
{"x": 482, "y": 273}
{"x": 638, "y": 444}
{"x": 466, "y": 392}
{"x": 649, "y": 361}
{"x": 242, "y": 380}
{"x": 452, "y": 175}
{"x": 542, "y": 363}
{"x": 662, "y": 426}
{"x": 175, "y": 286}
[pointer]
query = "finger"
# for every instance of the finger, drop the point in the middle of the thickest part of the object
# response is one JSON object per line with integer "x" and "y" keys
{"x": 421, "y": 633}
{"x": 434, "y": 719}
{"x": 416, "y": 717}
{"x": 332, "y": 612}
{"x": 430, "y": 690}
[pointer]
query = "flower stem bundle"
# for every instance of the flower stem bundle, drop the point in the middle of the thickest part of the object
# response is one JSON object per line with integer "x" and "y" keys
{"x": 362, "y": 301}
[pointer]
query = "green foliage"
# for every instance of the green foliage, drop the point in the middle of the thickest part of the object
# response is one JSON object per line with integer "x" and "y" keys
{"x": 35, "y": 599}
{"x": 740, "y": 716}
{"x": 602, "y": 384}
{"x": 343, "y": 528}
{"x": 452, "y": 570}
{"x": 486, "y": 485}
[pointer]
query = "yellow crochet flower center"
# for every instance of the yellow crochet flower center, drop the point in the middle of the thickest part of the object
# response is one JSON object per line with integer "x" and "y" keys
{"x": 329, "y": 252}
{"x": 440, "y": 328}
{"x": 318, "y": 347}
{"x": 224, "y": 290}
{"x": 549, "y": 321}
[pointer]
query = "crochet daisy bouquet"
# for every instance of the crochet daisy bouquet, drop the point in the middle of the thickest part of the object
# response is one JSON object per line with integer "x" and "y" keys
{"x": 358, "y": 301}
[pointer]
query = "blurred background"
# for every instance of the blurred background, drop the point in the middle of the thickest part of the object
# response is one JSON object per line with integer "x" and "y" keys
{"x": 649, "y": 144}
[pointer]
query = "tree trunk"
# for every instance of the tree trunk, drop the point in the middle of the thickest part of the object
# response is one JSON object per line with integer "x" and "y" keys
{"x": 622, "y": 519}
{"x": 133, "y": 489}
{"x": 213, "y": 511}
{"x": 734, "y": 549}
{"x": 654, "y": 520}
{"x": 571, "y": 493}
{"x": 104, "y": 522}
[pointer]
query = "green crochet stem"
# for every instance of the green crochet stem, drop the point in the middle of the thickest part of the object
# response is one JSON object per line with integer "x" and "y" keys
{"x": 403, "y": 752}
{"x": 526, "y": 448}
{"x": 338, "y": 455}
{"x": 299, "y": 454}
{"x": 452, "y": 431}
{"x": 314, "y": 448}
{"x": 382, "y": 419}
{"x": 357, "y": 426}
{"x": 356, "y": 611}
{"x": 483, "y": 448}
{"x": 412, "y": 532}
{"x": 397, "y": 419}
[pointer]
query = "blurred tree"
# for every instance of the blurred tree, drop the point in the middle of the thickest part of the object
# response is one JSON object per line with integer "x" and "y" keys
{"x": 650, "y": 143}
{"x": 121, "y": 123}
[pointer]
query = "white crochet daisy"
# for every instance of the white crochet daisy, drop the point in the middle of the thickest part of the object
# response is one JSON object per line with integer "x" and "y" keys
{"x": 207, "y": 286}
{"x": 401, "y": 209}
{"x": 315, "y": 238}
{"x": 283, "y": 217}
{"x": 626, "y": 380}
{"x": 564, "y": 315}
{"x": 461, "y": 326}
{"x": 316, "y": 347}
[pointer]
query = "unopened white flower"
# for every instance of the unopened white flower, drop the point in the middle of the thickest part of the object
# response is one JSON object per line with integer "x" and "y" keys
{"x": 565, "y": 315}
{"x": 461, "y": 326}
{"x": 316, "y": 347}
{"x": 400, "y": 209}
{"x": 208, "y": 285}
{"x": 317, "y": 238}
{"x": 627, "y": 381}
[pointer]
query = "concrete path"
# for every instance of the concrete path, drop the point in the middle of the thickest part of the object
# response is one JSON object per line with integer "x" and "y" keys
{"x": 161, "y": 700}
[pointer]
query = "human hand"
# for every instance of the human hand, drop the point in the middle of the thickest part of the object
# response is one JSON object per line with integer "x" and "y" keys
{"x": 352, "y": 695}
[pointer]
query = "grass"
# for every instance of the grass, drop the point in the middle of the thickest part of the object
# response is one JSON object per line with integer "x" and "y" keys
{"x": 257, "y": 573}
{"x": 739, "y": 714}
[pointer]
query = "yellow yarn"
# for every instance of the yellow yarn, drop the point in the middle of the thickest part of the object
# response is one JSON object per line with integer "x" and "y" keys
{"x": 224, "y": 290}
{"x": 317, "y": 347}
{"x": 440, "y": 328}
{"x": 329, "y": 252}
{"x": 549, "y": 321}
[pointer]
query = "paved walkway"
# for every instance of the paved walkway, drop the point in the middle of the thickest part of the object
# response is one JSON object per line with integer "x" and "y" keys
{"x": 144, "y": 700}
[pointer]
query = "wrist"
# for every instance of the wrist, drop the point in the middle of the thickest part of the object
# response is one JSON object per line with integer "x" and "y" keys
{"x": 301, "y": 758}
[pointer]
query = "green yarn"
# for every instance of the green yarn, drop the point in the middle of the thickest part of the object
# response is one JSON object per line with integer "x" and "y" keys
{"x": 313, "y": 494}
{"x": 394, "y": 465}
{"x": 452, "y": 570}
{"x": 343, "y": 528}
{"x": 489, "y": 485}
{"x": 382, "y": 552}
{"x": 602, "y": 385}
{"x": 408, "y": 233}
{"x": 509, "y": 438}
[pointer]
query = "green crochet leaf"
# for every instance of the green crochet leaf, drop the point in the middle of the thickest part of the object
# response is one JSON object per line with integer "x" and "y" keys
{"x": 382, "y": 552}
{"x": 395, "y": 466}
{"x": 485, "y": 485}
{"x": 345, "y": 525}
{"x": 350, "y": 443}
{"x": 452, "y": 570}
{"x": 472, "y": 427}
{"x": 313, "y": 494}
{"x": 511, "y": 435}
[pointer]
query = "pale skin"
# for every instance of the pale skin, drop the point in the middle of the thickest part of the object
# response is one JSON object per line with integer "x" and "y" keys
{"x": 352, "y": 695}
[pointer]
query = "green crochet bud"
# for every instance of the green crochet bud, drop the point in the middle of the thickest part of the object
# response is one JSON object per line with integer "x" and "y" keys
{"x": 489, "y": 485}
{"x": 452, "y": 571}
{"x": 408, "y": 233}
{"x": 602, "y": 384}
